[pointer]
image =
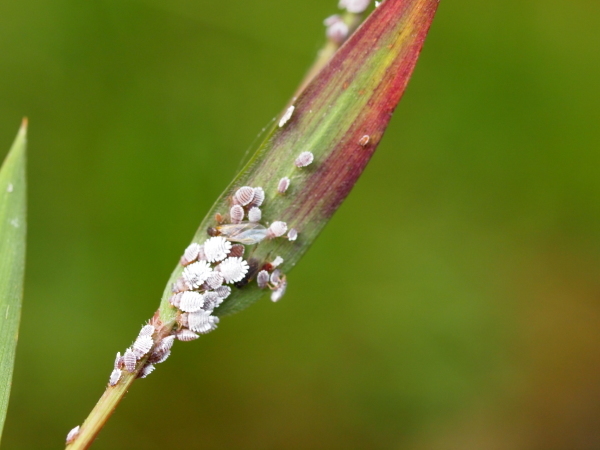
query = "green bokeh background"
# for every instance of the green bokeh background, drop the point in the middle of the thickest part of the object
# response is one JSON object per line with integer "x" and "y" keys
{"x": 453, "y": 302}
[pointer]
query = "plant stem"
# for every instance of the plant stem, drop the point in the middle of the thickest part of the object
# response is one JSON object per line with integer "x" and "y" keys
{"x": 101, "y": 412}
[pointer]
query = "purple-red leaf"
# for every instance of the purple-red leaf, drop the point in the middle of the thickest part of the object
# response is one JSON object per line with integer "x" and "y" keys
{"x": 335, "y": 126}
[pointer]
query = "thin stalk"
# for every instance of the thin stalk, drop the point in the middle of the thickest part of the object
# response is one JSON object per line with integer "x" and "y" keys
{"x": 113, "y": 395}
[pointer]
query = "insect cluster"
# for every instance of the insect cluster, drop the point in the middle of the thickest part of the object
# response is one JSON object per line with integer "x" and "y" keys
{"x": 148, "y": 343}
{"x": 209, "y": 270}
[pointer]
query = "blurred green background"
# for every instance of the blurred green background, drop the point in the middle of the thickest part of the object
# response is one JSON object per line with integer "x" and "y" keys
{"x": 453, "y": 302}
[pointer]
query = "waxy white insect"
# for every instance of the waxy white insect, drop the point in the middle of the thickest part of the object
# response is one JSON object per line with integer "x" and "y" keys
{"x": 276, "y": 276}
{"x": 236, "y": 213}
{"x": 237, "y": 250}
{"x": 142, "y": 345}
{"x": 160, "y": 359}
{"x": 364, "y": 140}
{"x": 255, "y": 214}
{"x": 211, "y": 301}
{"x": 191, "y": 301}
{"x": 118, "y": 361}
{"x": 279, "y": 290}
{"x": 115, "y": 376}
{"x": 190, "y": 254}
{"x": 163, "y": 346}
{"x": 216, "y": 248}
{"x": 277, "y": 261}
{"x": 283, "y": 185}
{"x": 354, "y": 6}
{"x": 304, "y": 159}
{"x": 179, "y": 285}
{"x": 262, "y": 279}
{"x": 277, "y": 229}
{"x": 176, "y": 299}
{"x": 286, "y": 116}
{"x": 337, "y": 30}
{"x": 202, "y": 322}
{"x": 147, "y": 370}
{"x": 186, "y": 335}
{"x": 223, "y": 292}
{"x": 130, "y": 360}
{"x": 196, "y": 273}
{"x": 214, "y": 280}
{"x": 72, "y": 434}
{"x": 292, "y": 234}
{"x": 244, "y": 195}
{"x": 247, "y": 233}
{"x": 233, "y": 269}
{"x": 182, "y": 319}
{"x": 147, "y": 330}
{"x": 259, "y": 196}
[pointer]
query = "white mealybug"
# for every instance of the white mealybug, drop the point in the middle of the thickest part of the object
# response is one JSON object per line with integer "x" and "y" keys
{"x": 259, "y": 196}
{"x": 190, "y": 254}
{"x": 163, "y": 347}
{"x": 211, "y": 301}
{"x": 337, "y": 30}
{"x": 233, "y": 269}
{"x": 216, "y": 248}
{"x": 236, "y": 213}
{"x": 175, "y": 299}
{"x": 147, "y": 330}
{"x": 354, "y": 6}
{"x": 255, "y": 214}
{"x": 130, "y": 360}
{"x": 191, "y": 301}
{"x": 72, "y": 434}
{"x": 210, "y": 326}
{"x": 276, "y": 276}
{"x": 286, "y": 116}
{"x": 277, "y": 229}
{"x": 182, "y": 319}
{"x": 277, "y": 261}
{"x": 186, "y": 335}
{"x": 293, "y": 234}
{"x": 179, "y": 285}
{"x": 196, "y": 273}
{"x": 262, "y": 279}
{"x": 162, "y": 359}
{"x": 244, "y": 195}
{"x": 237, "y": 250}
{"x": 283, "y": 185}
{"x": 142, "y": 345}
{"x": 147, "y": 370}
{"x": 214, "y": 280}
{"x": 279, "y": 289}
{"x": 223, "y": 292}
{"x": 115, "y": 376}
{"x": 198, "y": 320}
{"x": 364, "y": 140}
{"x": 118, "y": 361}
{"x": 304, "y": 159}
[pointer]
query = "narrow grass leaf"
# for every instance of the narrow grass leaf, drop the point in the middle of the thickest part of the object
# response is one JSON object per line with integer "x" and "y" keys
{"x": 13, "y": 207}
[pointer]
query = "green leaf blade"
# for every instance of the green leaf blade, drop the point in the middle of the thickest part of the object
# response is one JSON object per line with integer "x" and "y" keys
{"x": 13, "y": 229}
{"x": 352, "y": 97}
